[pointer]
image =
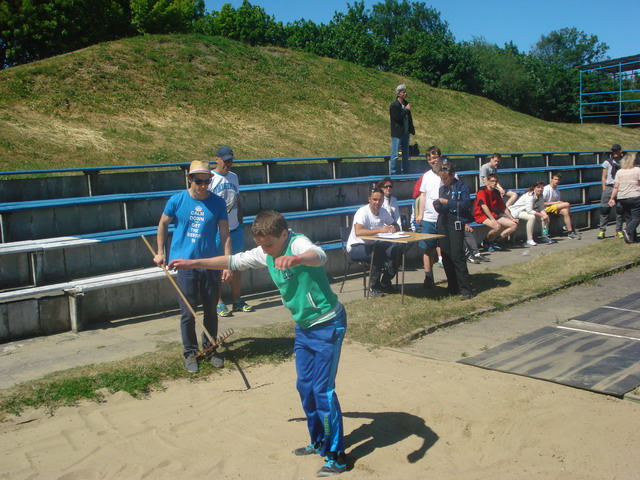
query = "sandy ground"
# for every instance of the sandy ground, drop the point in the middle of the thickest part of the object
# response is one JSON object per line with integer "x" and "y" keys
{"x": 406, "y": 417}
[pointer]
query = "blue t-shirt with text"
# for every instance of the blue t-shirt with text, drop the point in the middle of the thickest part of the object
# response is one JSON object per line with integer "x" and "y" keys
{"x": 196, "y": 225}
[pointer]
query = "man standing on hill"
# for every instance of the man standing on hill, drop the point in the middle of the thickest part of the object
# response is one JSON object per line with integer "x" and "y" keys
{"x": 609, "y": 168}
{"x": 197, "y": 215}
{"x": 401, "y": 130}
{"x": 225, "y": 184}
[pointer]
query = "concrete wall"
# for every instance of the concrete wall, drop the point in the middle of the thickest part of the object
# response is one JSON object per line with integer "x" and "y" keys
{"x": 61, "y": 185}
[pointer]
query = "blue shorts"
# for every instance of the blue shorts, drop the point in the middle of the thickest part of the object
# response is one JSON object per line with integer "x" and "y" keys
{"x": 428, "y": 227}
{"x": 237, "y": 241}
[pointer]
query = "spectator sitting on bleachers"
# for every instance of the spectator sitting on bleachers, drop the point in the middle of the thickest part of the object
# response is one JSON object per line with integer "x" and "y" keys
{"x": 491, "y": 211}
{"x": 390, "y": 203}
{"x": 509, "y": 196}
{"x": 529, "y": 207}
{"x": 372, "y": 219}
{"x": 471, "y": 249}
{"x": 554, "y": 206}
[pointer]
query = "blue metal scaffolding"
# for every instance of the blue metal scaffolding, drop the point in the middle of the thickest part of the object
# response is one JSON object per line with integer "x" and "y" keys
{"x": 610, "y": 91}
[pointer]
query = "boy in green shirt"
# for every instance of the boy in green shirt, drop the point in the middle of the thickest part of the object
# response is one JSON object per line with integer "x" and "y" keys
{"x": 296, "y": 267}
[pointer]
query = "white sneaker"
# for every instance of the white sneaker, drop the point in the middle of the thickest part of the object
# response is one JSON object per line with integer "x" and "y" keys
{"x": 531, "y": 243}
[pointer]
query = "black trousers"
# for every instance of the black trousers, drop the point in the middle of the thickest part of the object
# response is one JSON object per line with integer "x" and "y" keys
{"x": 385, "y": 260}
{"x": 452, "y": 247}
{"x": 631, "y": 214}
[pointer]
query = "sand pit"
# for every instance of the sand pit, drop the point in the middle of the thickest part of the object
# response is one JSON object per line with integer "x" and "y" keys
{"x": 406, "y": 417}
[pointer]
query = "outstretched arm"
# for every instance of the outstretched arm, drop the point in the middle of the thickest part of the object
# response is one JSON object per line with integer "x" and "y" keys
{"x": 212, "y": 263}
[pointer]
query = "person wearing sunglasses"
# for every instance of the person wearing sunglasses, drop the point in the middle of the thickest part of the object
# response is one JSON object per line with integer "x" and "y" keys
{"x": 197, "y": 215}
{"x": 454, "y": 212}
{"x": 390, "y": 202}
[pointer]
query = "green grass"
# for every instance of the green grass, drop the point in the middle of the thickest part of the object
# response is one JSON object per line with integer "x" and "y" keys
{"x": 175, "y": 98}
{"x": 273, "y": 344}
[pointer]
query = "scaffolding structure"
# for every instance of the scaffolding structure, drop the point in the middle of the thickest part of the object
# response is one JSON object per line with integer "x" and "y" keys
{"x": 610, "y": 91}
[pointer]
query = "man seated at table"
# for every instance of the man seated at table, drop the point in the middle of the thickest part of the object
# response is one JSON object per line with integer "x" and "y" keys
{"x": 372, "y": 219}
{"x": 491, "y": 211}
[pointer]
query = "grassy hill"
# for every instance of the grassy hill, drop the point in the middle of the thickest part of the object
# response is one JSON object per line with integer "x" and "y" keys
{"x": 176, "y": 98}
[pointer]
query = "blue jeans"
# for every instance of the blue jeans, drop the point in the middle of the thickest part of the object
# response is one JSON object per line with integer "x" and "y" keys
{"x": 396, "y": 144}
{"x": 198, "y": 285}
{"x": 317, "y": 355}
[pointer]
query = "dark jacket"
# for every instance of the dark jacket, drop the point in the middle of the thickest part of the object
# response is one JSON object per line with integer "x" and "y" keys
{"x": 459, "y": 202}
{"x": 397, "y": 115}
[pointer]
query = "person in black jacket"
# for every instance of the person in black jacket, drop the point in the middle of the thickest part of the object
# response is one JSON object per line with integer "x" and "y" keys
{"x": 454, "y": 211}
{"x": 401, "y": 130}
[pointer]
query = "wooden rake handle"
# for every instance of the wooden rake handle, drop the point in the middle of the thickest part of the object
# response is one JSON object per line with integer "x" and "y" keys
{"x": 184, "y": 299}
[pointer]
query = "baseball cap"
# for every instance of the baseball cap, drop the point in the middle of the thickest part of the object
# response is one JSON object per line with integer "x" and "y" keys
{"x": 616, "y": 146}
{"x": 225, "y": 153}
{"x": 198, "y": 166}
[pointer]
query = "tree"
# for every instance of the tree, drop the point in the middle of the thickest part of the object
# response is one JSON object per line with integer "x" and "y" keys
{"x": 249, "y": 23}
{"x": 165, "y": 16}
{"x": 348, "y": 37}
{"x": 418, "y": 41}
{"x": 32, "y": 29}
{"x": 569, "y": 48}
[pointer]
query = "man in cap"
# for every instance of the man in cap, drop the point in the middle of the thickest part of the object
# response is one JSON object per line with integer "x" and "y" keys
{"x": 225, "y": 184}
{"x": 609, "y": 168}
{"x": 401, "y": 130}
{"x": 198, "y": 216}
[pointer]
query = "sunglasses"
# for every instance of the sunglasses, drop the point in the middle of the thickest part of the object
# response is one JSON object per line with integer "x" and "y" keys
{"x": 199, "y": 181}
{"x": 387, "y": 186}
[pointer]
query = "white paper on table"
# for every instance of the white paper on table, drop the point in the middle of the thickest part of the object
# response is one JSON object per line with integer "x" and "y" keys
{"x": 392, "y": 235}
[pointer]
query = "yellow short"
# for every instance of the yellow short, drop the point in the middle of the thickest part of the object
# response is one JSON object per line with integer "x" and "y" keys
{"x": 552, "y": 209}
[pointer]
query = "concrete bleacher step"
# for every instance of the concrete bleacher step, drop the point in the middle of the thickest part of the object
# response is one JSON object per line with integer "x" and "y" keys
{"x": 77, "y": 304}
{"x": 100, "y": 260}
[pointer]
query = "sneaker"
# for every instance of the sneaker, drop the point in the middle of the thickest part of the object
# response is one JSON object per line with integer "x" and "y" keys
{"x": 310, "y": 449}
{"x": 375, "y": 293}
{"x": 601, "y": 235}
{"x": 627, "y": 237}
{"x": 531, "y": 243}
{"x": 217, "y": 362}
{"x": 547, "y": 240}
{"x": 223, "y": 311}
{"x": 333, "y": 466}
{"x": 474, "y": 259}
{"x": 574, "y": 236}
{"x": 488, "y": 246}
{"x": 619, "y": 234}
{"x": 242, "y": 306}
{"x": 496, "y": 246}
{"x": 191, "y": 364}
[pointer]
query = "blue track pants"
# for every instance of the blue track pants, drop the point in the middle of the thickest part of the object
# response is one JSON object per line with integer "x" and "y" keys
{"x": 317, "y": 355}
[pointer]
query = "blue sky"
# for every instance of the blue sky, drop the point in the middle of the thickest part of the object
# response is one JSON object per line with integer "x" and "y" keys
{"x": 615, "y": 22}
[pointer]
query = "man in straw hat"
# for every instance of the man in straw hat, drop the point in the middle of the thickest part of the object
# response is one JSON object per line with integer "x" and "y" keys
{"x": 197, "y": 215}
